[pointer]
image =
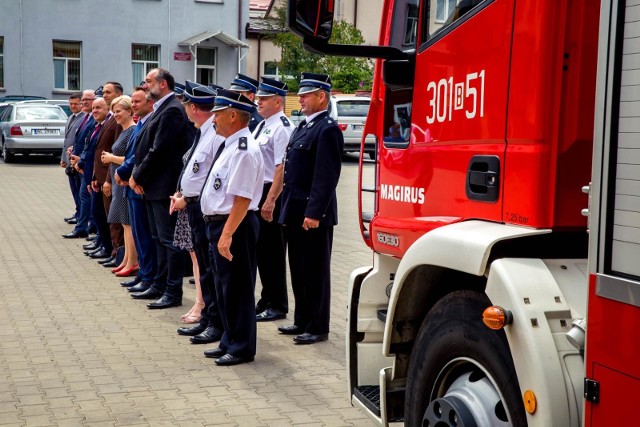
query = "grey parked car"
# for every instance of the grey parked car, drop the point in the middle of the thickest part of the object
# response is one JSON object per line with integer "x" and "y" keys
{"x": 28, "y": 128}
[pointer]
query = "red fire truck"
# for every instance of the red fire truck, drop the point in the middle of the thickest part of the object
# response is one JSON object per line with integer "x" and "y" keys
{"x": 505, "y": 279}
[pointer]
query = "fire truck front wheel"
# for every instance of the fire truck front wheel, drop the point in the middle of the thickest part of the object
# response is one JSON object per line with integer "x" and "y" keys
{"x": 461, "y": 373}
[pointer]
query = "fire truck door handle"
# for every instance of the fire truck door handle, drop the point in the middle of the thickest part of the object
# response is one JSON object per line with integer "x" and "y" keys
{"x": 483, "y": 178}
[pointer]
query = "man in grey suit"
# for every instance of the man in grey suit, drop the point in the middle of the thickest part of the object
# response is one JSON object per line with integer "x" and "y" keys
{"x": 71, "y": 129}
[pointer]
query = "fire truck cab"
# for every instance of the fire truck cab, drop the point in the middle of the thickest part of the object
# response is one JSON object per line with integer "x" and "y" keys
{"x": 509, "y": 183}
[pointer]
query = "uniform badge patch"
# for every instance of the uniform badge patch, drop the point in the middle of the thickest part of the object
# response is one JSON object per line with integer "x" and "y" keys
{"x": 196, "y": 167}
{"x": 217, "y": 184}
{"x": 310, "y": 124}
{"x": 242, "y": 145}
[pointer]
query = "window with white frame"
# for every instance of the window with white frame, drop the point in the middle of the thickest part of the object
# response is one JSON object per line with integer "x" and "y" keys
{"x": 66, "y": 65}
{"x": 444, "y": 8}
{"x": 271, "y": 70}
{"x": 205, "y": 66}
{"x": 1, "y": 61}
{"x": 144, "y": 58}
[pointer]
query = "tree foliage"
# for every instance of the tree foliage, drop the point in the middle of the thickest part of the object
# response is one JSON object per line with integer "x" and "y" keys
{"x": 347, "y": 74}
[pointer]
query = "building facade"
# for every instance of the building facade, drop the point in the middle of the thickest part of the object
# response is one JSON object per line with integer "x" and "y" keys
{"x": 53, "y": 47}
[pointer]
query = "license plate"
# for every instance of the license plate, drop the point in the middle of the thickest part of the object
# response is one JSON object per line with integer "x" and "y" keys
{"x": 358, "y": 127}
{"x": 45, "y": 131}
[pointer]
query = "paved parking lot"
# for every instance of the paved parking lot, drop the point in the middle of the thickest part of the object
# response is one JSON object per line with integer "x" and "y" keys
{"x": 76, "y": 350}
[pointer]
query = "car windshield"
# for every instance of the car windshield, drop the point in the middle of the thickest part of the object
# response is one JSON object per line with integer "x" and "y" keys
{"x": 43, "y": 112}
{"x": 353, "y": 108}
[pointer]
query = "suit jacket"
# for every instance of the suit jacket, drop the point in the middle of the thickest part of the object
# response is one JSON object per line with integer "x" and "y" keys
{"x": 108, "y": 135}
{"x": 161, "y": 145}
{"x": 126, "y": 168}
{"x": 87, "y": 157}
{"x": 70, "y": 133}
{"x": 312, "y": 169}
{"x": 83, "y": 135}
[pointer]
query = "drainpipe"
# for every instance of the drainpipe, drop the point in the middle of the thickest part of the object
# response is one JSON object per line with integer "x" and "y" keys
{"x": 21, "y": 55}
{"x": 239, "y": 32}
{"x": 355, "y": 13}
{"x": 259, "y": 56}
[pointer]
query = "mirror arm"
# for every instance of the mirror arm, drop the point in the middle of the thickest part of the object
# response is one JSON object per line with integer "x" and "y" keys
{"x": 385, "y": 52}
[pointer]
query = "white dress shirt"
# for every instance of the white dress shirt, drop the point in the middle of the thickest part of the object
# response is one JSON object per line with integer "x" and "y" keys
{"x": 273, "y": 139}
{"x": 199, "y": 163}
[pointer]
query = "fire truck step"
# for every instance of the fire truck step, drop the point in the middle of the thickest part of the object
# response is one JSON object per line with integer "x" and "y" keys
{"x": 369, "y": 395}
{"x": 382, "y": 315}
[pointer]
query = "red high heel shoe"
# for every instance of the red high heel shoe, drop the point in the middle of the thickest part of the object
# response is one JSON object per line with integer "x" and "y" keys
{"x": 128, "y": 272}
{"x": 119, "y": 268}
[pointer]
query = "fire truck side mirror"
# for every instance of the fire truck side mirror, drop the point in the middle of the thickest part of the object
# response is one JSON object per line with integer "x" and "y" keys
{"x": 311, "y": 18}
{"x": 398, "y": 74}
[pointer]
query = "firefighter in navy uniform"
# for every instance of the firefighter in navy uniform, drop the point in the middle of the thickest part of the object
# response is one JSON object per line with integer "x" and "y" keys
{"x": 309, "y": 209}
{"x": 229, "y": 202}
{"x": 247, "y": 87}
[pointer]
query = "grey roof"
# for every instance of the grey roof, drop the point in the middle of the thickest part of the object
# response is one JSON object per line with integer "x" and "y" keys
{"x": 264, "y": 26}
{"x": 221, "y": 36}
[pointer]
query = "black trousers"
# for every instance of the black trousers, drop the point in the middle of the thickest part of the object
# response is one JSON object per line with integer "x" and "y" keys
{"x": 169, "y": 259}
{"x": 235, "y": 285}
{"x": 100, "y": 217}
{"x": 271, "y": 260}
{"x": 310, "y": 266}
{"x": 210, "y": 313}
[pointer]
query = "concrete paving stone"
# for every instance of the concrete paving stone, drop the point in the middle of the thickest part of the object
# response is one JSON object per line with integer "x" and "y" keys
{"x": 38, "y": 420}
{"x": 52, "y": 383}
{"x": 7, "y": 407}
{"x": 34, "y": 399}
{"x": 128, "y": 418}
{"x": 65, "y": 412}
{"x": 267, "y": 414}
{"x": 12, "y": 418}
{"x": 26, "y": 390}
{"x": 96, "y": 416}
{"x": 215, "y": 417}
{"x": 33, "y": 410}
{"x": 20, "y": 424}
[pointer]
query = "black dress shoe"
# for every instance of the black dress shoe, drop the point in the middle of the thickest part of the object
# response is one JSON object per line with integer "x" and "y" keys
{"x": 91, "y": 246}
{"x": 165, "y": 302}
{"x": 192, "y": 330}
{"x": 215, "y": 352}
{"x": 290, "y": 330}
{"x": 100, "y": 254}
{"x": 132, "y": 282}
{"x": 308, "y": 338}
{"x": 230, "y": 359}
{"x": 107, "y": 260}
{"x": 69, "y": 218}
{"x": 209, "y": 335}
{"x": 94, "y": 251}
{"x": 192, "y": 281}
{"x": 140, "y": 287}
{"x": 148, "y": 294}
{"x": 111, "y": 263}
{"x": 270, "y": 314}
{"x": 72, "y": 221}
{"x": 92, "y": 237}
{"x": 75, "y": 235}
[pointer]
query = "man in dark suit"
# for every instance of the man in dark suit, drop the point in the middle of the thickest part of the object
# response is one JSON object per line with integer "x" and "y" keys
{"x": 70, "y": 131}
{"x": 309, "y": 209}
{"x": 161, "y": 145}
{"x": 101, "y": 116}
{"x": 101, "y": 183}
{"x": 85, "y": 130}
{"x": 142, "y": 106}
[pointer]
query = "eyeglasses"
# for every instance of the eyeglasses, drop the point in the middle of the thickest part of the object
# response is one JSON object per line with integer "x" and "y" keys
{"x": 87, "y": 99}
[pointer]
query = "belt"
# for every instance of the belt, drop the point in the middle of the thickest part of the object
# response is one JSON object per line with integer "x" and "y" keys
{"x": 212, "y": 218}
{"x": 191, "y": 199}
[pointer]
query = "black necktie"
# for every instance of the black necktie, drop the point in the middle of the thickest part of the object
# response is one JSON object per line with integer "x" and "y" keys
{"x": 215, "y": 159}
{"x": 260, "y": 127}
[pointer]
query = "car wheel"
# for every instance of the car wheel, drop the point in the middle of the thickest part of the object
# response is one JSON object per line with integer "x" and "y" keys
{"x": 8, "y": 156}
{"x": 461, "y": 372}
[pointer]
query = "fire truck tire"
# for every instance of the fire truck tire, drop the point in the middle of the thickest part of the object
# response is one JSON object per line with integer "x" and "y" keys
{"x": 461, "y": 373}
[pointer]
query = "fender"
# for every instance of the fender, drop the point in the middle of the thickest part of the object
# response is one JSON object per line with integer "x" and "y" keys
{"x": 544, "y": 297}
{"x": 461, "y": 247}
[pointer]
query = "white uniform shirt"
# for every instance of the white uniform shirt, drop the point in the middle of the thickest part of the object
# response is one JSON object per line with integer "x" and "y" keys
{"x": 273, "y": 139}
{"x": 197, "y": 168}
{"x": 237, "y": 172}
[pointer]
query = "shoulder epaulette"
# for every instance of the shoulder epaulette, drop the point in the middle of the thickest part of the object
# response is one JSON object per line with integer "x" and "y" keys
{"x": 285, "y": 121}
{"x": 242, "y": 145}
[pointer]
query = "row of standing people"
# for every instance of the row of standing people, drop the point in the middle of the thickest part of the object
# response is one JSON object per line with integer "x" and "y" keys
{"x": 247, "y": 186}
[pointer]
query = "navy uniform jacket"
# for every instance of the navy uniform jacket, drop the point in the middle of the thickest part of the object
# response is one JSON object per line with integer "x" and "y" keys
{"x": 255, "y": 120}
{"x": 83, "y": 135}
{"x": 161, "y": 145}
{"x": 311, "y": 172}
